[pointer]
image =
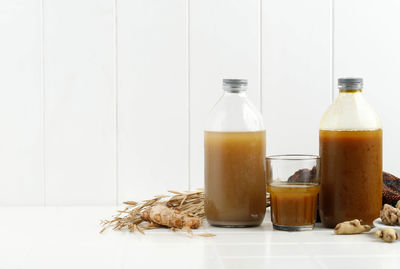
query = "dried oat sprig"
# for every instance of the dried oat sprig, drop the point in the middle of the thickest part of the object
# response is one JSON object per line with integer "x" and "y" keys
{"x": 130, "y": 216}
{"x": 189, "y": 203}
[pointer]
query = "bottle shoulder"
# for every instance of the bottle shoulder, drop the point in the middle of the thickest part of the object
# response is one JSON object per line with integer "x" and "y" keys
{"x": 350, "y": 112}
{"x": 234, "y": 115}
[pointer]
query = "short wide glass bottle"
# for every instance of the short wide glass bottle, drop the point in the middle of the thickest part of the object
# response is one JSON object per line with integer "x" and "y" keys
{"x": 350, "y": 143}
{"x": 234, "y": 160}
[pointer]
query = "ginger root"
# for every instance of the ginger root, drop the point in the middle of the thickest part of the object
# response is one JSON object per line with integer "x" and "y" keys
{"x": 165, "y": 216}
{"x": 391, "y": 215}
{"x": 388, "y": 235}
{"x": 351, "y": 227}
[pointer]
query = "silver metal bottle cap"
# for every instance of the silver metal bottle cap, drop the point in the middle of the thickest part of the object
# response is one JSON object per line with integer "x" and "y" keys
{"x": 350, "y": 83}
{"x": 234, "y": 85}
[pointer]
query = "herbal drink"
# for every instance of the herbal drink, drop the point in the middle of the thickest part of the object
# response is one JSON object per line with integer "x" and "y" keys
{"x": 293, "y": 204}
{"x": 351, "y": 176}
{"x": 235, "y": 188}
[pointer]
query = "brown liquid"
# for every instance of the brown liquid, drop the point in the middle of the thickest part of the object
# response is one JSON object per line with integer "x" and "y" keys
{"x": 351, "y": 176}
{"x": 293, "y": 205}
{"x": 235, "y": 178}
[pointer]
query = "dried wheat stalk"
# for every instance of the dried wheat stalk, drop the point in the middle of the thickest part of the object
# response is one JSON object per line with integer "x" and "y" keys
{"x": 190, "y": 203}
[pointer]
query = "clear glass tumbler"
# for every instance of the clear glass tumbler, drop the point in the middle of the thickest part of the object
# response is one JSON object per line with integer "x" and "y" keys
{"x": 293, "y": 182}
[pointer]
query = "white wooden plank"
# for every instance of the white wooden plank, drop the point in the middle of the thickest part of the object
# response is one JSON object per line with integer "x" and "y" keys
{"x": 224, "y": 43}
{"x": 367, "y": 45}
{"x": 296, "y": 73}
{"x": 21, "y": 172}
{"x": 79, "y": 102}
{"x": 152, "y": 98}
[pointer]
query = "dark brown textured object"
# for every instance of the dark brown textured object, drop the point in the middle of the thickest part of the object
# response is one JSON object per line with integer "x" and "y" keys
{"x": 303, "y": 175}
{"x": 391, "y": 189}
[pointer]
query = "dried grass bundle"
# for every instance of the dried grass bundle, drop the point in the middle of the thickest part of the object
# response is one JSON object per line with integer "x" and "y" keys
{"x": 189, "y": 203}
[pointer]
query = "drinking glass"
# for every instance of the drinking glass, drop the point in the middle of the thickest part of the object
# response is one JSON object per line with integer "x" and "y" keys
{"x": 293, "y": 182}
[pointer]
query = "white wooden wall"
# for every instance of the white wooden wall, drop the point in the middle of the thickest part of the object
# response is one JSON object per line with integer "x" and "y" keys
{"x": 103, "y": 101}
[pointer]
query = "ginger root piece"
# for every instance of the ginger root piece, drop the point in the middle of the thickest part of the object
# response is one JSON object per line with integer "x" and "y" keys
{"x": 390, "y": 215}
{"x": 388, "y": 235}
{"x": 165, "y": 216}
{"x": 351, "y": 227}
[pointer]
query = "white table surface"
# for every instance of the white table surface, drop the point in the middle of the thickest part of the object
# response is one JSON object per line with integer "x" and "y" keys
{"x": 68, "y": 237}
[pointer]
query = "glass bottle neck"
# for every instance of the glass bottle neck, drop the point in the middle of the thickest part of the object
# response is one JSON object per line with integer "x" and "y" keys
{"x": 350, "y": 90}
{"x": 233, "y": 93}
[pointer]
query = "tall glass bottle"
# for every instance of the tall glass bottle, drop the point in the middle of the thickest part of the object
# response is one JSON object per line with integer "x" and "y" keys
{"x": 350, "y": 141}
{"x": 234, "y": 160}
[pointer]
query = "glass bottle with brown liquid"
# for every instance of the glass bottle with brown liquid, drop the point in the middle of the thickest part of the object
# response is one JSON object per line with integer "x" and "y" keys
{"x": 350, "y": 141}
{"x": 234, "y": 160}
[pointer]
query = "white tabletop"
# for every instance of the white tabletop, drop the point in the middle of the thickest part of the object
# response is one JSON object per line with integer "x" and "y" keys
{"x": 68, "y": 237}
